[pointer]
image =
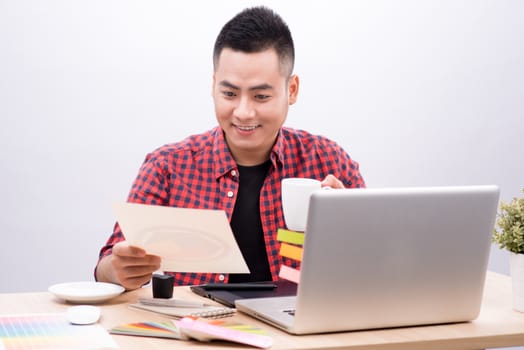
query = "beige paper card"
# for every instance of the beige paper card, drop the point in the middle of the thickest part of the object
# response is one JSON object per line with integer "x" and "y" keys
{"x": 187, "y": 240}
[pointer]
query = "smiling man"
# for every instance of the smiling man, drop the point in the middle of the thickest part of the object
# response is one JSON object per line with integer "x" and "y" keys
{"x": 251, "y": 98}
{"x": 238, "y": 165}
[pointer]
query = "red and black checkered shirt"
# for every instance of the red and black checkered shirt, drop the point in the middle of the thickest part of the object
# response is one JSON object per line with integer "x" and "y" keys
{"x": 200, "y": 172}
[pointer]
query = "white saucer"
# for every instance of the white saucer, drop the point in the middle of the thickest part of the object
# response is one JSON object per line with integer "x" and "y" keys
{"x": 86, "y": 292}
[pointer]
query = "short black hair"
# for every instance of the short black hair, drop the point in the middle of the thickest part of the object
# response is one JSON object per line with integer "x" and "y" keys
{"x": 257, "y": 29}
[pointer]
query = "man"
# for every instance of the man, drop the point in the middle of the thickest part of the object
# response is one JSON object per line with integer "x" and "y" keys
{"x": 237, "y": 166}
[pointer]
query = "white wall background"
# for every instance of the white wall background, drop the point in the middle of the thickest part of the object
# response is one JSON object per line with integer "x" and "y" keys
{"x": 419, "y": 92}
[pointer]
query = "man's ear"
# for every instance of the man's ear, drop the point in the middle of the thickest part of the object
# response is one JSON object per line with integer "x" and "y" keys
{"x": 292, "y": 86}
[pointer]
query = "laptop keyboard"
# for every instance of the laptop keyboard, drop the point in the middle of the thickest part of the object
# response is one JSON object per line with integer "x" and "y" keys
{"x": 290, "y": 312}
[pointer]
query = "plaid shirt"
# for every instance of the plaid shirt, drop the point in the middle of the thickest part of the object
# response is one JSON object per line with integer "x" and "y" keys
{"x": 200, "y": 172}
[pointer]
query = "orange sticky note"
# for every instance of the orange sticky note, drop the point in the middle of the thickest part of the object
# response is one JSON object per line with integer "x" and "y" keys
{"x": 289, "y": 274}
{"x": 291, "y": 251}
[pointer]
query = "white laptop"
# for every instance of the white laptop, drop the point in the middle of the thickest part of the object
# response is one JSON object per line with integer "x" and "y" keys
{"x": 392, "y": 257}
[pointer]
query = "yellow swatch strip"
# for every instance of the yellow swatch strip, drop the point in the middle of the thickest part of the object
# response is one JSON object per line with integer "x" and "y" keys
{"x": 290, "y": 236}
{"x": 289, "y": 274}
{"x": 291, "y": 251}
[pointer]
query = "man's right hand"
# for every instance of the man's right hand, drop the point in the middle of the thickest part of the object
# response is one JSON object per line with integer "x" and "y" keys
{"x": 128, "y": 266}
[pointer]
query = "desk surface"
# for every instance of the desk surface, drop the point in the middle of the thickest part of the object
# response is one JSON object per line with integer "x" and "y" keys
{"x": 498, "y": 325}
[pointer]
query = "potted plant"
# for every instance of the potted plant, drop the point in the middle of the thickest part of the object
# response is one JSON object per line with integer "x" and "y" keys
{"x": 509, "y": 234}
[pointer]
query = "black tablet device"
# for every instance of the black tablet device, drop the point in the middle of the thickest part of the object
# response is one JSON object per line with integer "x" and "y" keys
{"x": 227, "y": 293}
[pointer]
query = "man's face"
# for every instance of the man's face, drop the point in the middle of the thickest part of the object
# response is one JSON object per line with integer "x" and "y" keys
{"x": 252, "y": 97}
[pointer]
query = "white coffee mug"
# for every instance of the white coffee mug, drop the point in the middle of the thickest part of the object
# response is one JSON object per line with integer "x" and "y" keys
{"x": 295, "y": 201}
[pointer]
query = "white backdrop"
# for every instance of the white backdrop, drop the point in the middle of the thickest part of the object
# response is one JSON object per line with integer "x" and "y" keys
{"x": 419, "y": 92}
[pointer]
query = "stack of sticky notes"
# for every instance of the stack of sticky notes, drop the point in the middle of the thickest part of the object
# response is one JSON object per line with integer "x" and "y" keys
{"x": 290, "y": 247}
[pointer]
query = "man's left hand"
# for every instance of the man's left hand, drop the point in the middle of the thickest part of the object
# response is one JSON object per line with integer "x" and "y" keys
{"x": 332, "y": 181}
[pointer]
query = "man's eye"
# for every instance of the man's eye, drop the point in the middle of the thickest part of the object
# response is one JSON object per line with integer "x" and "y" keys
{"x": 228, "y": 93}
{"x": 262, "y": 97}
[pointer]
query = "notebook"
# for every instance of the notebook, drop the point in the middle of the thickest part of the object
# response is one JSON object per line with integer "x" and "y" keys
{"x": 181, "y": 312}
{"x": 392, "y": 257}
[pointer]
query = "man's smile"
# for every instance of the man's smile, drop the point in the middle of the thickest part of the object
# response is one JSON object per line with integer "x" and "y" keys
{"x": 246, "y": 127}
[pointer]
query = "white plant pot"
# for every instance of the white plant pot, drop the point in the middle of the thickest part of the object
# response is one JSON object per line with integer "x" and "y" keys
{"x": 516, "y": 264}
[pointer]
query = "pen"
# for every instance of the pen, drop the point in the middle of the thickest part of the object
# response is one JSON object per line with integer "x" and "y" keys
{"x": 171, "y": 302}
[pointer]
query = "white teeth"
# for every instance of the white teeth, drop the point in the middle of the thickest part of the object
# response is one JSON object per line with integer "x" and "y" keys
{"x": 247, "y": 128}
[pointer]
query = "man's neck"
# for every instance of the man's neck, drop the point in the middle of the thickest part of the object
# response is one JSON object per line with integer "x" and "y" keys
{"x": 251, "y": 158}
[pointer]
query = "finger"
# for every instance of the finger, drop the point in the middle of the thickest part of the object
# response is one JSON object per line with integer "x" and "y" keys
{"x": 131, "y": 283}
{"x": 133, "y": 273}
{"x": 327, "y": 181}
{"x": 137, "y": 271}
{"x": 122, "y": 262}
{"x": 332, "y": 181}
{"x": 124, "y": 249}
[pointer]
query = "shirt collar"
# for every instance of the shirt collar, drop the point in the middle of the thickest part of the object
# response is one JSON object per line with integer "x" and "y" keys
{"x": 223, "y": 158}
{"x": 277, "y": 153}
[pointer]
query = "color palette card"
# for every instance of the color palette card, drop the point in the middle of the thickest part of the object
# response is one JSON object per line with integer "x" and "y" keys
{"x": 190, "y": 328}
{"x": 208, "y": 330}
{"x": 148, "y": 329}
{"x": 50, "y": 331}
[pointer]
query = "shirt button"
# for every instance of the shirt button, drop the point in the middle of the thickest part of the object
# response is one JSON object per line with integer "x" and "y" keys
{"x": 233, "y": 173}
{"x": 230, "y": 194}
{"x": 221, "y": 277}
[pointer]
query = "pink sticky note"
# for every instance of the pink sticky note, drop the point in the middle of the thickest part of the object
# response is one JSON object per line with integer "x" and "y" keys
{"x": 289, "y": 274}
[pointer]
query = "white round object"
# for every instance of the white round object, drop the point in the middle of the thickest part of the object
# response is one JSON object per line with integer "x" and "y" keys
{"x": 83, "y": 314}
{"x": 86, "y": 292}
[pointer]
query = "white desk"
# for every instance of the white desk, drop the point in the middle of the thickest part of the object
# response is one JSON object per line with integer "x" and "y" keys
{"x": 497, "y": 326}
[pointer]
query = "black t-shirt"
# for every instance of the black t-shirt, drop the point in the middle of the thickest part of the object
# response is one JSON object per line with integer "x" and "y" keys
{"x": 247, "y": 225}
